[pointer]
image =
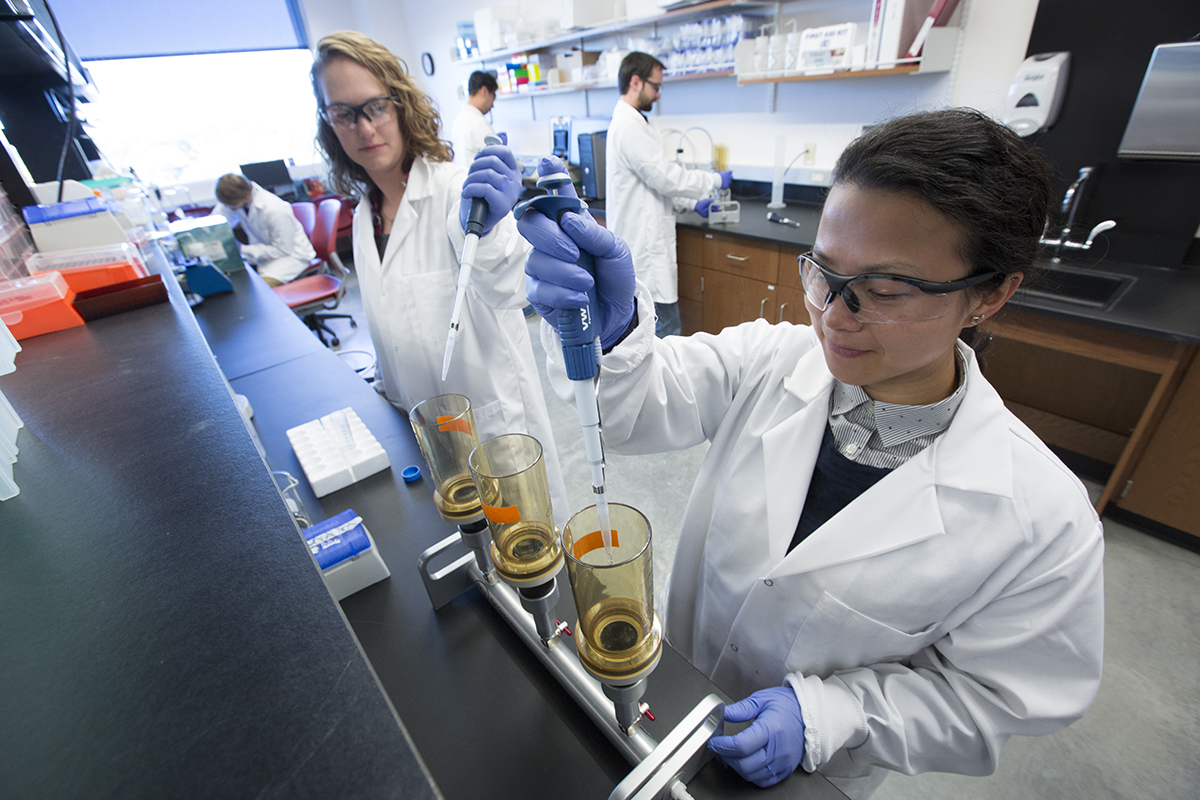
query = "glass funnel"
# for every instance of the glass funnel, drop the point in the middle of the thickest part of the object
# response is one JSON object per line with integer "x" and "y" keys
{"x": 618, "y": 636}
{"x": 510, "y": 475}
{"x": 445, "y": 429}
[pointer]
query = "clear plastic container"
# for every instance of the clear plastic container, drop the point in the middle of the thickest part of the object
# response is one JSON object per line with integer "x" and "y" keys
{"x": 22, "y": 293}
{"x": 511, "y": 478}
{"x": 618, "y": 636}
{"x": 112, "y": 255}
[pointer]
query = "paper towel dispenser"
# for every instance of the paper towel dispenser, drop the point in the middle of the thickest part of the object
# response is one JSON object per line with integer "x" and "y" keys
{"x": 1036, "y": 94}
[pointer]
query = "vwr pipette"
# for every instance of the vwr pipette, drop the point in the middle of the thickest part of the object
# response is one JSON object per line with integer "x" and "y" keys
{"x": 580, "y": 332}
{"x": 475, "y": 220}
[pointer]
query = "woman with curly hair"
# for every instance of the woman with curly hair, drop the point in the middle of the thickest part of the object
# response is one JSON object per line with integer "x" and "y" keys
{"x": 379, "y": 132}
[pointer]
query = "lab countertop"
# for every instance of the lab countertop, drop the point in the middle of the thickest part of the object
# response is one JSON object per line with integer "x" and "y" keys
{"x": 486, "y": 717}
{"x": 164, "y": 631}
{"x": 1161, "y": 302}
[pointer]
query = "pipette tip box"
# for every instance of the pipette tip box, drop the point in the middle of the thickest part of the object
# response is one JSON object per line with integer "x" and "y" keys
{"x": 346, "y": 554}
{"x": 336, "y": 451}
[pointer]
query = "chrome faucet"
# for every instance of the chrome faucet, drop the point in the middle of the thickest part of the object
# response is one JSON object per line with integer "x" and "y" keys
{"x": 1070, "y": 205}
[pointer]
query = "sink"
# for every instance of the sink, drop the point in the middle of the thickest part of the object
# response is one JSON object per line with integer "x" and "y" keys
{"x": 1077, "y": 286}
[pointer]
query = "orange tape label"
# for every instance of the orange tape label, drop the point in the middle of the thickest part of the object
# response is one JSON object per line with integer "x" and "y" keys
{"x": 502, "y": 514}
{"x": 593, "y": 540}
{"x": 454, "y": 424}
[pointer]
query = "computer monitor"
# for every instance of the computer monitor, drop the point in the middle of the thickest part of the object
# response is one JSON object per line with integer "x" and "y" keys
{"x": 272, "y": 176}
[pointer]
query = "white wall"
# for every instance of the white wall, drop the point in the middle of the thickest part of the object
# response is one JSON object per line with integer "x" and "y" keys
{"x": 746, "y": 119}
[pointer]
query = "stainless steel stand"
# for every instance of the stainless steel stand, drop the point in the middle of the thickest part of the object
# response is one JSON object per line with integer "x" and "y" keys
{"x": 661, "y": 770}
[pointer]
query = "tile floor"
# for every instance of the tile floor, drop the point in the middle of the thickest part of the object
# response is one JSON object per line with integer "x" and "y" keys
{"x": 1141, "y": 738}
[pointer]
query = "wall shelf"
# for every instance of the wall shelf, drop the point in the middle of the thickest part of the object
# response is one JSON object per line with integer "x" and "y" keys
{"x": 583, "y": 34}
{"x": 566, "y": 88}
{"x": 903, "y": 69}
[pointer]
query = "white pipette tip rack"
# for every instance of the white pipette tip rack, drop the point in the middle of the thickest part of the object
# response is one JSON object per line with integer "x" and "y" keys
{"x": 336, "y": 451}
{"x": 10, "y": 423}
{"x": 345, "y": 553}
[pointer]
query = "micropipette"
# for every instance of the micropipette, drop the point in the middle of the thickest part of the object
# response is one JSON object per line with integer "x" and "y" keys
{"x": 580, "y": 332}
{"x": 475, "y": 220}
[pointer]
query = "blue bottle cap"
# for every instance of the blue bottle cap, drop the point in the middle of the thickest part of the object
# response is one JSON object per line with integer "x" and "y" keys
{"x": 411, "y": 473}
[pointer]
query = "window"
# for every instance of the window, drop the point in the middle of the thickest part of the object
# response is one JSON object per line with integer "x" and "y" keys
{"x": 180, "y": 119}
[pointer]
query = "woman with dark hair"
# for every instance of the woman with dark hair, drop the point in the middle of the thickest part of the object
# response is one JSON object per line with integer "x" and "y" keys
{"x": 891, "y": 566}
{"x": 379, "y": 132}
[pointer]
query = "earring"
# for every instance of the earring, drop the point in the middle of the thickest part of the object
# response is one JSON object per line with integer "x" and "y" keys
{"x": 978, "y": 318}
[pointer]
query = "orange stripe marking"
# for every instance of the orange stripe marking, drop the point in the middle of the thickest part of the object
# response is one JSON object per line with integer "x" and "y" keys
{"x": 593, "y": 540}
{"x": 454, "y": 424}
{"x": 502, "y": 514}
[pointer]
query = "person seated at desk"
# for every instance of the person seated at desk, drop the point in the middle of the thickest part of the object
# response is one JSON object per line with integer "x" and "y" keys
{"x": 279, "y": 248}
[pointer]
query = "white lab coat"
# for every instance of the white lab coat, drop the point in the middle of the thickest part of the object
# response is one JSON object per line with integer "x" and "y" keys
{"x": 279, "y": 248}
{"x": 641, "y": 188}
{"x": 467, "y": 134}
{"x": 408, "y": 299}
{"x": 955, "y": 603}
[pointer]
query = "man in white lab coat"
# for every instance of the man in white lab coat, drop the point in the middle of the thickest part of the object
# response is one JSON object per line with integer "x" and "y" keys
{"x": 892, "y": 566}
{"x": 471, "y": 127}
{"x": 643, "y": 190}
{"x": 279, "y": 248}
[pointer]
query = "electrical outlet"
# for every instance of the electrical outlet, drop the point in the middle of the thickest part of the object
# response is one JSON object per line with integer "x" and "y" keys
{"x": 810, "y": 154}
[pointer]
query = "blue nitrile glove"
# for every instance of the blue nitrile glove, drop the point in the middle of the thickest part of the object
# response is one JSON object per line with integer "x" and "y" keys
{"x": 702, "y": 206}
{"x": 494, "y": 175}
{"x": 554, "y": 280}
{"x": 773, "y": 746}
{"x": 503, "y": 137}
{"x": 726, "y": 177}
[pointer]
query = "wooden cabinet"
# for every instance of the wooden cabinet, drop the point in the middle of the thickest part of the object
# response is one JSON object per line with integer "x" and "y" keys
{"x": 1092, "y": 390}
{"x": 730, "y": 300}
{"x": 741, "y": 257}
{"x": 1165, "y": 483}
{"x": 727, "y": 280}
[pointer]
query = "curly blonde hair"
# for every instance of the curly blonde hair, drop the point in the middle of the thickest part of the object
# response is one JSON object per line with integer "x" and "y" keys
{"x": 416, "y": 113}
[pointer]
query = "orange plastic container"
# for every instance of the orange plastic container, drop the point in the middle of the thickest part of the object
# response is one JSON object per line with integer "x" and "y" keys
{"x": 90, "y": 267}
{"x": 33, "y": 306}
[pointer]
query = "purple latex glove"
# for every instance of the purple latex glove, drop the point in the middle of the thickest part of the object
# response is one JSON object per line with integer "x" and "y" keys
{"x": 773, "y": 746}
{"x": 702, "y": 206}
{"x": 726, "y": 177}
{"x": 495, "y": 176}
{"x": 554, "y": 281}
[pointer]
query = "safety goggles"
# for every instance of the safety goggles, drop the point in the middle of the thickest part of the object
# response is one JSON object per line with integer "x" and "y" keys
{"x": 375, "y": 110}
{"x": 882, "y": 298}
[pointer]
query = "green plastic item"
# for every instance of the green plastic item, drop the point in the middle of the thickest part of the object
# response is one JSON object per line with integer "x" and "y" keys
{"x": 209, "y": 237}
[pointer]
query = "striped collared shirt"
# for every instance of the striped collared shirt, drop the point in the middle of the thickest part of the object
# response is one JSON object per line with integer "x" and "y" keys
{"x": 884, "y": 434}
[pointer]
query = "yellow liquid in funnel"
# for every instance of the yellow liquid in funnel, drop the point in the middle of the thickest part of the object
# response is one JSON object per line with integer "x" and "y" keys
{"x": 526, "y": 551}
{"x": 458, "y": 499}
{"x": 617, "y": 640}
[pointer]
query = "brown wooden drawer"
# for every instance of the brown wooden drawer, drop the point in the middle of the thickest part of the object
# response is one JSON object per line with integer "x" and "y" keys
{"x": 789, "y": 270}
{"x": 742, "y": 257}
{"x": 789, "y": 305}
{"x": 690, "y": 276}
{"x": 689, "y": 246}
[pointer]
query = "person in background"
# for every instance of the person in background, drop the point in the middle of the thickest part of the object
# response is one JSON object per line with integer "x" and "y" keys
{"x": 887, "y": 564}
{"x": 278, "y": 246}
{"x": 471, "y": 126}
{"x": 379, "y": 133}
{"x": 643, "y": 190}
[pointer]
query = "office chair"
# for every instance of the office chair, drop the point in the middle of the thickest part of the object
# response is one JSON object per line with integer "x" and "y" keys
{"x": 306, "y": 213}
{"x": 309, "y": 296}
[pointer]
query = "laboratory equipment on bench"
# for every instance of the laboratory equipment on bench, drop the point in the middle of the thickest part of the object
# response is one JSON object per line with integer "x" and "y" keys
{"x": 475, "y": 220}
{"x": 345, "y": 553}
{"x": 618, "y": 635}
{"x": 336, "y": 451}
{"x": 1036, "y": 94}
{"x": 724, "y": 209}
{"x": 623, "y": 649}
{"x": 580, "y": 333}
{"x": 445, "y": 429}
{"x": 510, "y": 476}
{"x": 773, "y": 217}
